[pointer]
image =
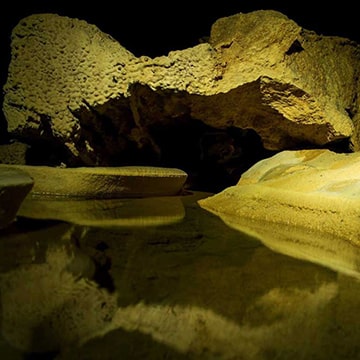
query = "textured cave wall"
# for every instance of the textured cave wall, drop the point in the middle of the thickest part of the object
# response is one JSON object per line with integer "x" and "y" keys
{"x": 307, "y": 83}
{"x": 77, "y": 92}
{"x": 59, "y": 67}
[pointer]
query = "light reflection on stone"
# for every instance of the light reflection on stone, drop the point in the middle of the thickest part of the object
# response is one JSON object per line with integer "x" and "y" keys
{"x": 320, "y": 247}
{"x": 193, "y": 289}
{"x": 194, "y": 331}
{"x": 150, "y": 211}
{"x": 48, "y": 306}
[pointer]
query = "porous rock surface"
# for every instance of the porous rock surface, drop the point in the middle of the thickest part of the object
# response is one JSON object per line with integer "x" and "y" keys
{"x": 77, "y": 89}
{"x": 308, "y": 197}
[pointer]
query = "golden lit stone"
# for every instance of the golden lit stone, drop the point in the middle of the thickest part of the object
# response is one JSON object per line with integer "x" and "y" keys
{"x": 304, "y": 203}
{"x": 104, "y": 182}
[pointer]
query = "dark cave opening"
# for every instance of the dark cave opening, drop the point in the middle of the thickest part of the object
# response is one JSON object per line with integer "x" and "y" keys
{"x": 213, "y": 158}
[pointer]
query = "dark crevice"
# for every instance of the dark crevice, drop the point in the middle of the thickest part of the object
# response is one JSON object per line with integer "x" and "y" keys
{"x": 294, "y": 48}
{"x": 46, "y": 152}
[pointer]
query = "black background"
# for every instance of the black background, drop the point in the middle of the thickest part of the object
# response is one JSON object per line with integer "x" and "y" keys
{"x": 155, "y": 28}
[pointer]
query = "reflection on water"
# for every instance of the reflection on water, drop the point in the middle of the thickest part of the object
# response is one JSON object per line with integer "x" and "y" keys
{"x": 321, "y": 247}
{"x": 193, "y": 288}
{"x": 108, "y": 212}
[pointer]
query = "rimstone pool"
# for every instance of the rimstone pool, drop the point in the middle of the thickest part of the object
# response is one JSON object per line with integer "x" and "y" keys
{"x": 161, "y": 278}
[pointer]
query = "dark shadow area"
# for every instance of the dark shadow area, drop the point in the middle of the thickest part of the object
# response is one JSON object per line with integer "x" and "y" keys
{"x": 108, "y": 129}
{"x": 213, "y": 158}
{"x": 47, "y": 153}
{"x": 129, "y": 345}
{"x": 4, "y": 136}
{"x": 40, "y": 356}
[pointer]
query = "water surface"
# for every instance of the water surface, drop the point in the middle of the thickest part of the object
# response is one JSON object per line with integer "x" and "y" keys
{"x": 161, "y": 278}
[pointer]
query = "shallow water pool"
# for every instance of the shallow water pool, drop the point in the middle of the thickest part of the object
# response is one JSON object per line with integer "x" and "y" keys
{"x": 161, "y": 278}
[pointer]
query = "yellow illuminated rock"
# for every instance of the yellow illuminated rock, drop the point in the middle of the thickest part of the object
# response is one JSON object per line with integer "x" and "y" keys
{"x": 72, "y": 84}
{"x": 103, "y": 182}
{"x": 304, "y": 203}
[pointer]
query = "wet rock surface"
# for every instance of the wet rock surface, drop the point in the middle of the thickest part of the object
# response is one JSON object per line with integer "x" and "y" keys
{"x": 42, "y": 189}
{"x": 315, "y": 192}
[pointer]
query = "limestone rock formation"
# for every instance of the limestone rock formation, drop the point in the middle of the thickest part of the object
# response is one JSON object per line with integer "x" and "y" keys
{"x": 86, "y": 99}
{"x": 103, "y": 182}
{"x": 15, "y": 184}
{"x": 310, "y": 197}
